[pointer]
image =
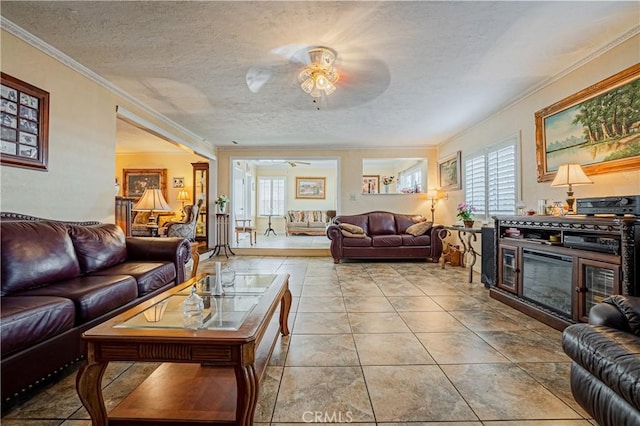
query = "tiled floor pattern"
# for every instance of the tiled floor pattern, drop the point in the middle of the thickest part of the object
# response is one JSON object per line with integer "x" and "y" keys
{"x": 380, "y": 343}
{"x": 282, "y": 241}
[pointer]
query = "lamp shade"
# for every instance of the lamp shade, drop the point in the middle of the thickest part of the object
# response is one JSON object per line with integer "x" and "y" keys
{"x": 570, "y": 174}
{"x": 183, "y": 195}
{"x": 152, "y": 201}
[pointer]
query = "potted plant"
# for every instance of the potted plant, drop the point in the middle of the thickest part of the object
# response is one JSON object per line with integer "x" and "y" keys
{"x": 465, "y": 213}
{"x": 221, "y": 202}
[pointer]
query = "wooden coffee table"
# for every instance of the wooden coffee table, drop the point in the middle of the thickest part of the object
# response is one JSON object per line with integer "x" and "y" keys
{"x": 209, "y": 375}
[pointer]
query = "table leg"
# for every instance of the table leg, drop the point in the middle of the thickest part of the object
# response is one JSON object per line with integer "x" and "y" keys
{"x": 468, "y": 249}
{"x": 443, "y": 234}
{"x": 285, "y": 307}
{"x": 89, "y": 388}
{"x": 247, "y": 387}
{"x": 196, "y": 259}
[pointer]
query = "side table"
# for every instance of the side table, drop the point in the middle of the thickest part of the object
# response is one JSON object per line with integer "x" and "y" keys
{"x": 222, "y": 235}
{"x": 466, "y": 236}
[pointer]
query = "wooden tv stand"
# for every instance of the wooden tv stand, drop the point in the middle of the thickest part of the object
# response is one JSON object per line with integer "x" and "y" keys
{"x": 555, "y": 268}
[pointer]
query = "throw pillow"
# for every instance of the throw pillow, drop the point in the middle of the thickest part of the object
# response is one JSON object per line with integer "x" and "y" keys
{"x": 350, "y": 234}
{"x": 419, "y": 228}
{"x": 354, "y": 229}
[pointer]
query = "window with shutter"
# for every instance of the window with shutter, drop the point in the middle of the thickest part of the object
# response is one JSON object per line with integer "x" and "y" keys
{"x": 271, "y": 196}
{"x": 491, "y": 179}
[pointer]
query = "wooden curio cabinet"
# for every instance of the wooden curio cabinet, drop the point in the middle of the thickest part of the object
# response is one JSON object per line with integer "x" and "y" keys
{"x": 556, "y": 268}
{"x": 201, "y": 192}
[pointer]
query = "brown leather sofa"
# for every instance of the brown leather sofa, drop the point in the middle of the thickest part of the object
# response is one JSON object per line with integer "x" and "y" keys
{"x": 62, "y": 278}
{"x": 385, "y": 238}
{"x": 605, "y": 368}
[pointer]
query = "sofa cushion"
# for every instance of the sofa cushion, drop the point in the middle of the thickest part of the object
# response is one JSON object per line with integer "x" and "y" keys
{"x": 296, "y": 216}
{"x": 98, "y": 246}
{"x": 403, "y": 221}
{"x": 382, "y": 223}
{"x": 410, "y": 240}
{"x": 386, "y": 240}
{"x": 35, "y": 253}
{"x": 419, "y": 228}
{"x": 357, "y": 242}
{"x": 317, "y": 225}
{"x": 351, "y": 234}
{"x": 149, "y": 276}
{"x": 32, "y": 319}
{"x": 361, "y": 220}
{"x": 353, "y": 229}
{"x": 92, "y": 295}
{"x": 299, "y": 225}
{"x": 630, "y": 308}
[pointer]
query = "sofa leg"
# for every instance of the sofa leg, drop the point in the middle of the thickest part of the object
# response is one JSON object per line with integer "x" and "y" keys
{"x": 336, "y": 260}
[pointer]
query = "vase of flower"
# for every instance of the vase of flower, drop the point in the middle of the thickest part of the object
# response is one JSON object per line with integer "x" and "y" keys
{"x": 465, "y": 214}
{"x": 386, "y": 189}
{"x": 221, "y": 202}
{"x": 386, "y": 181}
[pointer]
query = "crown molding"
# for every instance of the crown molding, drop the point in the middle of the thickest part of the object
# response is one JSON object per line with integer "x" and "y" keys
{"x": 61, "y": 57}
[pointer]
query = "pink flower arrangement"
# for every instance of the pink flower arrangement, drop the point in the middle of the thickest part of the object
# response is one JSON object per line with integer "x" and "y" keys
{"x": 465, "y": 211}
{"x": 387, "y": 180}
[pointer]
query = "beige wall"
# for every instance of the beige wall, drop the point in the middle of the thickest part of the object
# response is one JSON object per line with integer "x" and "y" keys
{"x": 350, "y": 199}
{"x": 82, "y": 136}
{"x": 177, "y": 165}
{"x": 519, "y": 118}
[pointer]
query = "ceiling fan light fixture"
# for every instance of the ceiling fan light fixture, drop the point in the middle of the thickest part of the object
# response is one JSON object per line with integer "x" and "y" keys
{"x": 319, "y": 76}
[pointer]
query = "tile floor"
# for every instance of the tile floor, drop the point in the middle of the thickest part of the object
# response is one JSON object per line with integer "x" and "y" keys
{"x": 380, "y": 343}
{"x": 282, "y": 241}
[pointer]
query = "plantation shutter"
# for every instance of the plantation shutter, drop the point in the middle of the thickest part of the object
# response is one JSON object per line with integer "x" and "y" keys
{"x": 271, "y": 196}
{"x": 475, "y": 183}
{"x": 501, "y": 180}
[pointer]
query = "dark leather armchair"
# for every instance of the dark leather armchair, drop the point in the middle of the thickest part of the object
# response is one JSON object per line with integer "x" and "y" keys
{"x": 605, "y": 372}
{"x": 187, "y": 228}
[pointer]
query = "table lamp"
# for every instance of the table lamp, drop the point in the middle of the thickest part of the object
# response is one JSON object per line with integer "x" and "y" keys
{"x": 183, "y": 196}
{"x": 152, "y": 201}
{"x": 569, "y": 175}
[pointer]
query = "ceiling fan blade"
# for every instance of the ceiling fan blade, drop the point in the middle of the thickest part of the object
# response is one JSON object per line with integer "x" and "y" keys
{"x": 295, "y": 53}
{"x": 257, "y": 77}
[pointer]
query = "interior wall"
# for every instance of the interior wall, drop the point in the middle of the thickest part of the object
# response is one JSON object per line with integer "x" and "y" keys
{"x": 177, "y": 165}
{"x": 519, "y": 118}
{"x": 293, "y": 203}
{"x": 79, "y": 184}
{"x": 350, "y": 199}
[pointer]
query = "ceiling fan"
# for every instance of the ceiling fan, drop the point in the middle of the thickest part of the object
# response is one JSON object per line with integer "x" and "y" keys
{"x": 295, "y": 163}
{"x": 339, "y": 79}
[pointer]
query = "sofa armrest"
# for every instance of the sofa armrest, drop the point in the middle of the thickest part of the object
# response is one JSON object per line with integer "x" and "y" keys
{"x": 176, "y": 250}
{"x": 333, "y": 232}
{"x": 619, "y": 311}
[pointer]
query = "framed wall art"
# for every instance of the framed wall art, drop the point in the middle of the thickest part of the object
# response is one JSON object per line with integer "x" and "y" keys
{"x": 137, "y": 180}
{"x": 598, "y": 128}
{"x": 371, "y": 184}
{"x": 449, "y": 173}
{"x": 24, "y": 124}
{"x": 310, "y": 187}
{"x": 178, "y": 182}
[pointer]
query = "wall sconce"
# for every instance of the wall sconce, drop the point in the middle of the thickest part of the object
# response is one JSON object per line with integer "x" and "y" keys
{"x": 434, "y": 195}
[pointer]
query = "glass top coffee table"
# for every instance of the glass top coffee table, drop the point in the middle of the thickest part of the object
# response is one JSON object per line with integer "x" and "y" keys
{"x": 211, "y": 374}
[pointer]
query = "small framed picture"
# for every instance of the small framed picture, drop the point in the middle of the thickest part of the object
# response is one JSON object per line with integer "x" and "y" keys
{"x": 178, "y": 182}
{"x": 449, "y": 177}
{"x": 24, "y": 124}
{"x": 371, "y": 184}
{"x": 310, "y": 187}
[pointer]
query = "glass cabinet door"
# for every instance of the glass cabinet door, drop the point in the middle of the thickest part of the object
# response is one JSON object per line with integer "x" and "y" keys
{"x": 596, "y": 281}
{"x": 508, "y": 268}
{"x": 200, "y": 192}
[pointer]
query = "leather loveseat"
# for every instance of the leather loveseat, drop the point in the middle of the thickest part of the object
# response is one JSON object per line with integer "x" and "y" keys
{"x": 384, "y": 236}
{"x": 62, "y": 278}
{"x": 605, "y": 368}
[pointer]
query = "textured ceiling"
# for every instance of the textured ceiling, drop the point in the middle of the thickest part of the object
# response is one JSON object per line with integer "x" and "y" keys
{"x": 412, "y": 73}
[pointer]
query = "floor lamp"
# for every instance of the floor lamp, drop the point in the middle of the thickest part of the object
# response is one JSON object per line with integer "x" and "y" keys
{"x": 434, "y": 195}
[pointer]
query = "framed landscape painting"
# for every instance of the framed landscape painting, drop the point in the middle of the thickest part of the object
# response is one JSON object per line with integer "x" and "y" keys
{"x": 137, "y": 180}
{"x": 598, "y": 128}
{"x": 310, "y": 187}
{"x": 449, "y": 177}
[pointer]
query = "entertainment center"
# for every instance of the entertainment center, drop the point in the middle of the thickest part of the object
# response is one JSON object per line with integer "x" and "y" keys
{"x": 556, "y": 268}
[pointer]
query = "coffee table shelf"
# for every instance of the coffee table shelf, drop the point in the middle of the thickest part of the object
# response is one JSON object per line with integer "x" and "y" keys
{"x": 208, "y": 376}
